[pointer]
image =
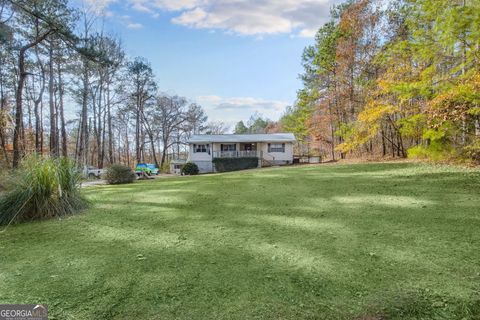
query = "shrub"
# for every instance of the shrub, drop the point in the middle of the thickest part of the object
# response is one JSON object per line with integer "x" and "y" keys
{"x": 235, "y": 164}
{"x": 119, "y": 174}
{"x": 165, "y": 167}
{"x": 190, "y": 169}
{"x": 472, "y": 151}
{"x": 438, "y": 147}
{"x": 41, "y": 189}
{"x": 3, "y": 181}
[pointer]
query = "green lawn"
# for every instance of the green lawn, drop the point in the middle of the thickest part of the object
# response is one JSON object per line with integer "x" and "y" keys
{"x": 369, "y": 241}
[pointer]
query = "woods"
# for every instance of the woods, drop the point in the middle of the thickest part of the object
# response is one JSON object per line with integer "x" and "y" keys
{"x": 68, "y": 89}
{"x": 392, "y": 79}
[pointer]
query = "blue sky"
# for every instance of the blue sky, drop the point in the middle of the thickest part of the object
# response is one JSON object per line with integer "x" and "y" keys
{"x": 234, "y": 57}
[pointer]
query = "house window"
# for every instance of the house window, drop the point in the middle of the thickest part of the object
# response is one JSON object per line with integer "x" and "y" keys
{"x": 201, "y": 148}
{"x": 276, "y": 147}
{"x": 229, "y": 147}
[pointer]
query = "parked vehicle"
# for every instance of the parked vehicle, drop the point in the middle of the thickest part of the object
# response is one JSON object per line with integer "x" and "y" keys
{"x": 93, "y": 173}
{"x": 147, "y": 168}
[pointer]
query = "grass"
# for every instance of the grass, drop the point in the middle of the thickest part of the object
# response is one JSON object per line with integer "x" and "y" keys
{"x": 364, "y": 241}
{"x": 42, "y": 188}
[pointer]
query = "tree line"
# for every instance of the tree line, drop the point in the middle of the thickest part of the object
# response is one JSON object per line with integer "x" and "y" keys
{"x": 394, "y": 79}
{"x": 68, "y": 89}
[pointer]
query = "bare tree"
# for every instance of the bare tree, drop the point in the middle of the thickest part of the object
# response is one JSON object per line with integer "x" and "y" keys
{"x": 170, "y": 115}
{"x": 143, "y": 89}
{"x": 217, "y": 128}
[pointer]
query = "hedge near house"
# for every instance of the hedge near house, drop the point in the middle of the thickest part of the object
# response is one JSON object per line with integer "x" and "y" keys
{"x": 235, "y": 164}
{"x": 190, "y": 169}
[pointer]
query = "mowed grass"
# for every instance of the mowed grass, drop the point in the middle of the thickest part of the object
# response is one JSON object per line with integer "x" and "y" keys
{"x": 367, "y": 241}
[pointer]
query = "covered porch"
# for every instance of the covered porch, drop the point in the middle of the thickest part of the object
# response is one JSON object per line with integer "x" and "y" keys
{"x": 237, "y": 150}
{"x": 237, "y": 154}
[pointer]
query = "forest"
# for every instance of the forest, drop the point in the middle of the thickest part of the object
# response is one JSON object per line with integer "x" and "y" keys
{"x": 392, "y": 79}
{"x": 67, "y": 88}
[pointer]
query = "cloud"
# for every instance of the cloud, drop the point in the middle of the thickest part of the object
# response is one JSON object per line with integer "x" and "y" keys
{"x": 307, "y": 33}
{"x": 243, "y": 103}
{"x": 168, "y": 5}
{"x": 128, "y": 22}
{"x": 100, "y": 7}
{"x": 244, "y": 17}
{"x": 134, "y": 26}
{"x": 232, "y": 110}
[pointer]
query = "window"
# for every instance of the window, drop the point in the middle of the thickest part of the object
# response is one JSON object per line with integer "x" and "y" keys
{"x": 276, "y": 147}
{"x": 229, "y": 147}
{"x": 201, "y": 148}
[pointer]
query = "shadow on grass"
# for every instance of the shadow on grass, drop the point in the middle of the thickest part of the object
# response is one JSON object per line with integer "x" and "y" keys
{"x": 332, "y": 242}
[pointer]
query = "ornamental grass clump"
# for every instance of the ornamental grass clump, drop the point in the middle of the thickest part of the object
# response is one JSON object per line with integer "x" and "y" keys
{"x": 42, "y": 188}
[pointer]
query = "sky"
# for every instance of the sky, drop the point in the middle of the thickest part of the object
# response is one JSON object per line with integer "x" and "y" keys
{"x": 233, "y": 57}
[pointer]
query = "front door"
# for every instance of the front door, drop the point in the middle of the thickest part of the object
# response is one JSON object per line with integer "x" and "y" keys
{"x": 249, "y": 147}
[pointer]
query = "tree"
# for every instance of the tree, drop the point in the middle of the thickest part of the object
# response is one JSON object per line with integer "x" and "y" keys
{"x": 143, "y": 89}
{"x": 195, "y": 120}
{"x": 40, "y": 19}
{"x": 170, "y": 116}
{"x": 257, "y": 124}
{"x": 241, "y": 128}
{"x": 216, "y": 127}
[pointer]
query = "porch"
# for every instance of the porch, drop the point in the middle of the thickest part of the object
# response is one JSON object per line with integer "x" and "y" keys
{"x": 238, "y": 154}
{"x": 236, "y": 150}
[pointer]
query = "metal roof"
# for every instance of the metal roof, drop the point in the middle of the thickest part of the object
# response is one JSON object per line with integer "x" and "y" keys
{"x": 234, "y": 138}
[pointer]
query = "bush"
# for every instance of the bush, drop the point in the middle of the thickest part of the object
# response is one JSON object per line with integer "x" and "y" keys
{"x": 472, "y": 151}
{"x": 235, "y": 164}
{"x": 3, "y": 181}
{"x": 165, "y": 167}
{"x": 41, "y": 189}
{"x": 190, "y": 169}
{"x": 119, "y": 174}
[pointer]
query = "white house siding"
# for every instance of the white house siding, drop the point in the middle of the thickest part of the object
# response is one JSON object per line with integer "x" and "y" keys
{"x": 204, "y": 160}
{"x": 277, "y": 157}
{"x": 204, "y": 166}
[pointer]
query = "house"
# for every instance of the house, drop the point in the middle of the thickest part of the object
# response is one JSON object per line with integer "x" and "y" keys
{"x": 176, "y": 166}
{"x": 207, "y": 151}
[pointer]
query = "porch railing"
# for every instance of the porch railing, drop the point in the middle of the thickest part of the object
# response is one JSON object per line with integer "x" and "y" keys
{"x": 237, "y": 154}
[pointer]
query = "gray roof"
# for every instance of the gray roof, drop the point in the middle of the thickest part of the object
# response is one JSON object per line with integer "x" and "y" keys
{"x": 234, "y": 138}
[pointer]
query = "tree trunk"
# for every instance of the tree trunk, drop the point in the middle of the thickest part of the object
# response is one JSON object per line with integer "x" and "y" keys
{"x": 127, "y": 145}
{"x": 384, "y": 146}
{"x": 102, "y": 153}
{"x": 18, "y": 134}
{"x": 138, "y": 151}
{"x": 164, "y": 155}
{"x": 53, "y": 114}
{"x": 332, "y": 132}
{"x": 62, "y": 112}
{"x": 98, "y": 125}
{"x": 82, "y": 142}
{"x": 2, "y": 135}
{"x": 37, "y": 107}
{"x": 109, "y": 125}
{"x": 152, "y": 144}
